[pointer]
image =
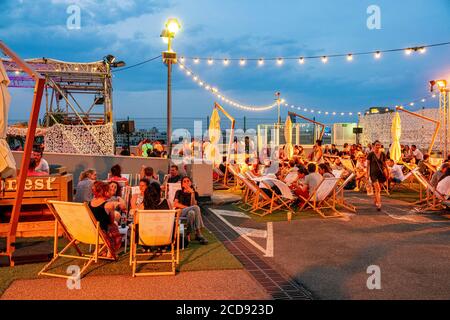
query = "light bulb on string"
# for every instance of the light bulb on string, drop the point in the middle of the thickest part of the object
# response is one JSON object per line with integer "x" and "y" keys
{"x": 408, "y": 51}
{"x": 324, "y": 59}
{"x": 261, "y": 62}
{"x": 422, "y": 50}
{"x": 242, "y": 62}
{"x": 349, "y": 57}
{"x": 196, "y": 60}
{"x": 301, "y": 60}
{"x": 226, "y": 62}
{"x": 279, "y": 61}
{"x": 377, "y": 55}
{"x": 210, "y": 61}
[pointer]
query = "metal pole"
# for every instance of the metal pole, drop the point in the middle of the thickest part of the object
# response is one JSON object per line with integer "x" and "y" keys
{"x": 169, "y": 107}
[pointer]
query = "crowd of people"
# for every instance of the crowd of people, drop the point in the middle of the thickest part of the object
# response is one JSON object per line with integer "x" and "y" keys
{"x": 113, "y": 207}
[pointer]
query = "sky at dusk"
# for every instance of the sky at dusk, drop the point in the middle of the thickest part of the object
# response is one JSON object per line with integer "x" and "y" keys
{"x": 130, "y": 30}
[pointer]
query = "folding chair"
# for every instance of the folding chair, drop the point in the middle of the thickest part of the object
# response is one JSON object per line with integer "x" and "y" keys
{"x": 155, "y": 228}
{"x": 434, "y": 198}
{"x": 80, "y": 226}
{"x": 260, "y": 199}
{"x": 340, "y": 199}
{"x": 286, "y": 198}
{"x": 323, "y": 197}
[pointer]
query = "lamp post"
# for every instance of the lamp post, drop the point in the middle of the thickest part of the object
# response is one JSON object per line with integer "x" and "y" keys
{"x": 169, "y": 57}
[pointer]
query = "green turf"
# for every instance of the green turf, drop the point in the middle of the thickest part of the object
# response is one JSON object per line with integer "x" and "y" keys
{"x": 195, "y": 257}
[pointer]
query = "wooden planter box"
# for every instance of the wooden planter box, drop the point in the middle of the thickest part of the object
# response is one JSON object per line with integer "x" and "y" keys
{"x": 34, "y": 209}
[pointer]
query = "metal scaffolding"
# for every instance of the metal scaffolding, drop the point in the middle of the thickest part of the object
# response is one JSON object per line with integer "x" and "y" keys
{"x": 65, "y": 83}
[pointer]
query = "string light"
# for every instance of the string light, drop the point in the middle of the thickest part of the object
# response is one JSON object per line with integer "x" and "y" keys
{"x": 226, "y": 62}
{"x": 260, "y": 62}
{"x": 376, "y": 54}
{"x": 279, "y": 61}
{"x": 215, "y": 91}
{"x": 210, "y": 61}
{"x": 242, "y": 62}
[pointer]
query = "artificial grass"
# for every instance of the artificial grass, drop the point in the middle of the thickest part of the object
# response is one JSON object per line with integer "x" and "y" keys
{"x": 195, "y": 257}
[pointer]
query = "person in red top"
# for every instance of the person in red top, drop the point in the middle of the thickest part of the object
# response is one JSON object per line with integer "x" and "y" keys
{"x": 116, "y": 175}
{"x": 32, "y": 170}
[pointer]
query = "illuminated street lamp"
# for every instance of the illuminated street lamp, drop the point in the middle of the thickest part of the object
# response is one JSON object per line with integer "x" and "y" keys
{"x": 171, "y": 28}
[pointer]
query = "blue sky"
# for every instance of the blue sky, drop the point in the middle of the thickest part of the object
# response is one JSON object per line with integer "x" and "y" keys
{"x": 129, "y": 29}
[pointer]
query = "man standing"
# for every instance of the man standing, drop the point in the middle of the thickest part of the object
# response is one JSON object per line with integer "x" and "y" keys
{"x": 41, "y": 163}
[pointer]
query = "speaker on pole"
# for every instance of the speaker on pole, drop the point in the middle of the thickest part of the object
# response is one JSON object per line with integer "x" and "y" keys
{"x": 125, "y": 127}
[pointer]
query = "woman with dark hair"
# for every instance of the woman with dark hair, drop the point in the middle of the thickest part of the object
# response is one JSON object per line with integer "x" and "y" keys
{"x": 325, "y": 170}
{"x": 186, "y": 200}
{"x": 152, "y": 198}
{"x": 115, "y": 192}
{"x": 377, "y": 171}
{"x": 137, "y": 200}
{"x": 103, "y": 212}
{"x": 116, "y": 174}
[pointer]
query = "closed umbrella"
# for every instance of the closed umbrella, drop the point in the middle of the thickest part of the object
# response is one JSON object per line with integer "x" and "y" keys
{"x": 288, "y": 149}
{"x": 212, "y": 150}
{"x": 7, "y": 162}
{"x": 396, "y": 132}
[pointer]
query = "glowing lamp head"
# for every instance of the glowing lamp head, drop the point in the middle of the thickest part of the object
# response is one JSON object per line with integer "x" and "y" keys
{"x": 377, "y": 55}
{"x": 408, "y": 51}
{"x": 301, "y": 60}
{"x": 349, "y": 57}
{"x": 260, "y": 62}
{"x": 442, "y": 84}
{"x": 324, "y": 59}
{"x": 173, "y": 26}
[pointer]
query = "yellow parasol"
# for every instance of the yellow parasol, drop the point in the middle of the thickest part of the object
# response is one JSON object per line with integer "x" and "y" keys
{"x": 212, "y": 151}
{"x": 288, "y": 149}
{"x": 7, "y": 162}
{"x": 396, "y": 132}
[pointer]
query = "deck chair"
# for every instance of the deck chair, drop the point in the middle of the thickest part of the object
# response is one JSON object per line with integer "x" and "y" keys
{"x": 261, "y": 200}
{"x": 434, "y": 199}
{"x": 155, "y": 228}
{"x": 286, "y": 199}
{"x": 340, "y": 199}
{"x": 80, "y": 226}
{"x": 323, "y": 197}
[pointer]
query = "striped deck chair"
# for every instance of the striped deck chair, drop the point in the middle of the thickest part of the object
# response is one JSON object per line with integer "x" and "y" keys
{"x": 155, "y": 228}
{"x": 80, "y": 226}
{"x": 323, "y": 197}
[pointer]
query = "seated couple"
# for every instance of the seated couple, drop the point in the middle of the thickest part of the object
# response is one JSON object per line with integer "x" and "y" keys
{"x": 185, "y": 200}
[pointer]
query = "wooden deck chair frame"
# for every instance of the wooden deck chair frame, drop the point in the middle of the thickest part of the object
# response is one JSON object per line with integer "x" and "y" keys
{"x": 340, "y": 199}
{"x": 101, "y": 243}
{"x": 284, "y": 200}
{"x": 328, "y": 202}
{"x": 246, "y": 202}
{"x": 260, "y": 199}
{"x": 433, "y": 198}
{"x": 174, "y": 253}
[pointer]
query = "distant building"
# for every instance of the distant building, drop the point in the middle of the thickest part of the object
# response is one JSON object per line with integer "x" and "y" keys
{"x": 138, "y": 136}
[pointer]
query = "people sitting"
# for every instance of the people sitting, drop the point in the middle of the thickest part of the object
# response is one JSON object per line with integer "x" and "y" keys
{"x": 115, "y": 195}
{"x": 83, "y": 191}
{"x": 396, "y": 173}
{"x": 186, "y": 200}
{"x": 443, "y": 186}
{"x": 292, "y": 173}
{"x": 152, "y": 198}
{"x": 311, "y": 181}
{"x": 137, "y": 200}
{"x": 149, "y": 174}
{"x": 41, "y": 163}
{"x": 32, "y": 170}
{"x": 174, "y": 174}
{"x": 103, "y": 211}
{"x": 116, "y": 175}
{"x": 325, "y": 170}
{"x": 361, "y": 172}
{"x": 438, "y": 174}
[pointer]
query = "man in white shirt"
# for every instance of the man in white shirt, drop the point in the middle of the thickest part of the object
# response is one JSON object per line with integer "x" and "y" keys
{"x": 416, "y": 153}
{"x": 443, "y": 187}
{"x": 41, "y": 163}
